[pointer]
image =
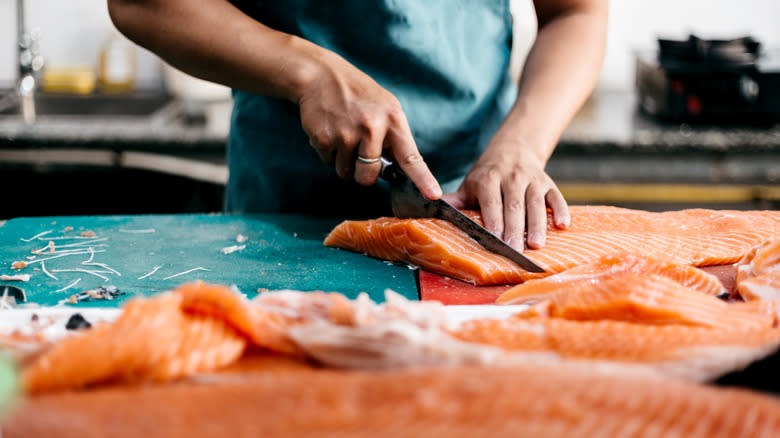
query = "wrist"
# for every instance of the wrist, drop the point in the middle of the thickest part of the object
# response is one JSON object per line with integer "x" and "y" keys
{"x": 307, "y": 65}
{"x": 517, "y": 148}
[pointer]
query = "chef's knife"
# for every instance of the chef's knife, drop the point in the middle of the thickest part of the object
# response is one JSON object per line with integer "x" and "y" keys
{"x": 408, "y": 202}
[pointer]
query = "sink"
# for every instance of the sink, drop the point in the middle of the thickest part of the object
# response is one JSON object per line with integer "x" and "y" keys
{"x": 95, "y": 105}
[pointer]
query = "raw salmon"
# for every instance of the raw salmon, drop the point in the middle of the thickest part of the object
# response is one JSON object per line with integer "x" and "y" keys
{"x": 193, "y": 330}
{"x": 291, "y": 400}
{"x": 609, "y": 266}
{"x": 691, "y": 237}
{"x": 654, "y": 299}
{"x": 758, "y": 273}
{"x": 153, "y": 340}
{"x": 698, "y": 353}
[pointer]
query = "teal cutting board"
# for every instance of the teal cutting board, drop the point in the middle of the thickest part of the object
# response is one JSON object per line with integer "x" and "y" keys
{"x": 282, "y": 252}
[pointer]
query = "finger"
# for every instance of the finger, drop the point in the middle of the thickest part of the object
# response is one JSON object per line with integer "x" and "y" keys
{"x": 514, "y": 214}
{"x": 370, "y": 147}
{"x": 345, "y": 162}
{"x": 405, "y": 153}
{"x": 457, "y": 199}
{"x": 560, "y": 210}
{"x": 536, "y": 215}
{"x": 328, "y": 156}
{"x": 489, "y": 198}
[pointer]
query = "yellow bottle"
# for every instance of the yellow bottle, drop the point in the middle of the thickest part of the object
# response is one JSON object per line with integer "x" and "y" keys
{"x": 117, "y": 65}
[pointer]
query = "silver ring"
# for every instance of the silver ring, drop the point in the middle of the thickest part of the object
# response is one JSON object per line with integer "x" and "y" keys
{"x": 367, "y": 160}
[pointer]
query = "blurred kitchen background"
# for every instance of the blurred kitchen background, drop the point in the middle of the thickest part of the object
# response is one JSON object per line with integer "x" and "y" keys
{"x": 116, "y": 131}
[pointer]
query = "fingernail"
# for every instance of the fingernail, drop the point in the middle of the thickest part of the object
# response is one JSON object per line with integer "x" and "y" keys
{"x": 562, "y": 223}
{"x": 513, "y": 243}
{"x": 536, "y": 240}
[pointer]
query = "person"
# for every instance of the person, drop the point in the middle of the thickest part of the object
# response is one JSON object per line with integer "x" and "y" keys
{"x": 425, "y": 83}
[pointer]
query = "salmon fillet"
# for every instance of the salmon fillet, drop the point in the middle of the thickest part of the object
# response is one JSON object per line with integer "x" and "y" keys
{"x": 289, "y": 400}
{"x": 758, "y": 273}
{"x": 609, "y": 266}
{"x": 693, "y": 237}
{"x": 153, "y": 340}
{"x": 654, "y": 299}
{"x": 697, "y": 353}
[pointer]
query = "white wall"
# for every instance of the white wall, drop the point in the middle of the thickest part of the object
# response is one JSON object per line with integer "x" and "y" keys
{"x": 71, "y": 33}
{"x": 73, "y": 30}
{"x": 636, "y": 23}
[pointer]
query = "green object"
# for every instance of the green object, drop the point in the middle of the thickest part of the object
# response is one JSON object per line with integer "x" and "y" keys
{"x": 9, "y": 385}
{"x": 282, "y": 252}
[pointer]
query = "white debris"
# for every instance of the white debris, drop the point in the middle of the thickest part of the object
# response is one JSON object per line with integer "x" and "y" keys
{"x": 142, "y": 231}
{"x": 185, "y": 272}
{"x": 17, "y": 277}
{"x": 241, "y": 238}
{"x": 36, "y": 236}
{"x": 150, "y": 272}
{"x": 74, "y": 283}
{"x": 232, "y": 249}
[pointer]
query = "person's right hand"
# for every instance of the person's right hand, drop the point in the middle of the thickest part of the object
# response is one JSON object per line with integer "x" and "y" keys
{"x": 346, "y": 114}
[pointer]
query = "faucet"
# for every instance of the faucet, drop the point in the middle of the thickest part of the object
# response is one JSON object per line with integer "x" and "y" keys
{"x": 30, "y": 64}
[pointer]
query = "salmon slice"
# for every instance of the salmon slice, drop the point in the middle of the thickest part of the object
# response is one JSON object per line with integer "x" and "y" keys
{"x": 690, "y": 237}
{"x": 153, "y": 340}
{"x": 608, "y": 266}
{"x": 758, "y": 273}
{"x": 764, "y": 287}
{"x": 433, "y": 244}
{"x": 654, "y": 299}
{"x": 293, "y": 401}
{"x": 762, "y": 259}
{"x": 697, "y": 353}
{"x": 264, "y": 329}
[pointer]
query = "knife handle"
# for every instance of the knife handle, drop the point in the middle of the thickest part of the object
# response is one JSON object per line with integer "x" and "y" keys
{"x": 391, "y": 172}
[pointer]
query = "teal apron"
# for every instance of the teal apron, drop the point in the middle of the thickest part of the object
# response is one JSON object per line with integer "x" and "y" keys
{"x": 445, "y": 60}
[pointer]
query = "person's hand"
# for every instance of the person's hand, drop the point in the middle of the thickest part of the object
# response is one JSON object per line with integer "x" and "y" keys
{"x": 510, "y": 187}
{"x": 348, "y": 116}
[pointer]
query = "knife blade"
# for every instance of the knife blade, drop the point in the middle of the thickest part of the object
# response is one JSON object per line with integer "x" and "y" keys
{"x": 409, "y": 203}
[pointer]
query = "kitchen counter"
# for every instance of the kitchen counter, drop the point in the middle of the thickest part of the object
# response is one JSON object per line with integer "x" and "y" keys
{"x": 608, "y": 122}
{"x": 608, "y": 142}
{"x": 169, "y": 130}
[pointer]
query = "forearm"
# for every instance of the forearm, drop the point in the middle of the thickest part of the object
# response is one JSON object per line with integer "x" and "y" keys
{"x": 559, "y": 73}
{"x": 214, "y": 40}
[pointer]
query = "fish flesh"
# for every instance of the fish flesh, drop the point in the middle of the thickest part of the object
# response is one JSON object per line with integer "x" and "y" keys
{"x": 758, "y": 273}
{"x": 433, "y": 244}
{"x": 694, "y": 237}
{"x": 609, "y": 266}
{"x": 653, "y": 299}
{"x": 687, "y": 352}
{"x": 152, "y": 340}
{"x": 201, "y": 328}
{"x": 275, "y": 397}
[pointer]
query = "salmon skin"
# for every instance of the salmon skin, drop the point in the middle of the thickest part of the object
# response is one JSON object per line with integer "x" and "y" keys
{"x": 289, "y": 399}
{"x": 695, "y": 237}
{"x": 606, "y": 267}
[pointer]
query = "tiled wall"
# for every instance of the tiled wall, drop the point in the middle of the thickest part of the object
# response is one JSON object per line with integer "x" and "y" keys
{"x": 73, "y": 30}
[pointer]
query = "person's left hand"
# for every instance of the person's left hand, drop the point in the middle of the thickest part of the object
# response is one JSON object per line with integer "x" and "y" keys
{"x": 509, "y": 185}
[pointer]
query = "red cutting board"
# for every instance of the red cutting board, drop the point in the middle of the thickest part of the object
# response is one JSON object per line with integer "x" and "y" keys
{"x": 436, "y": 287}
